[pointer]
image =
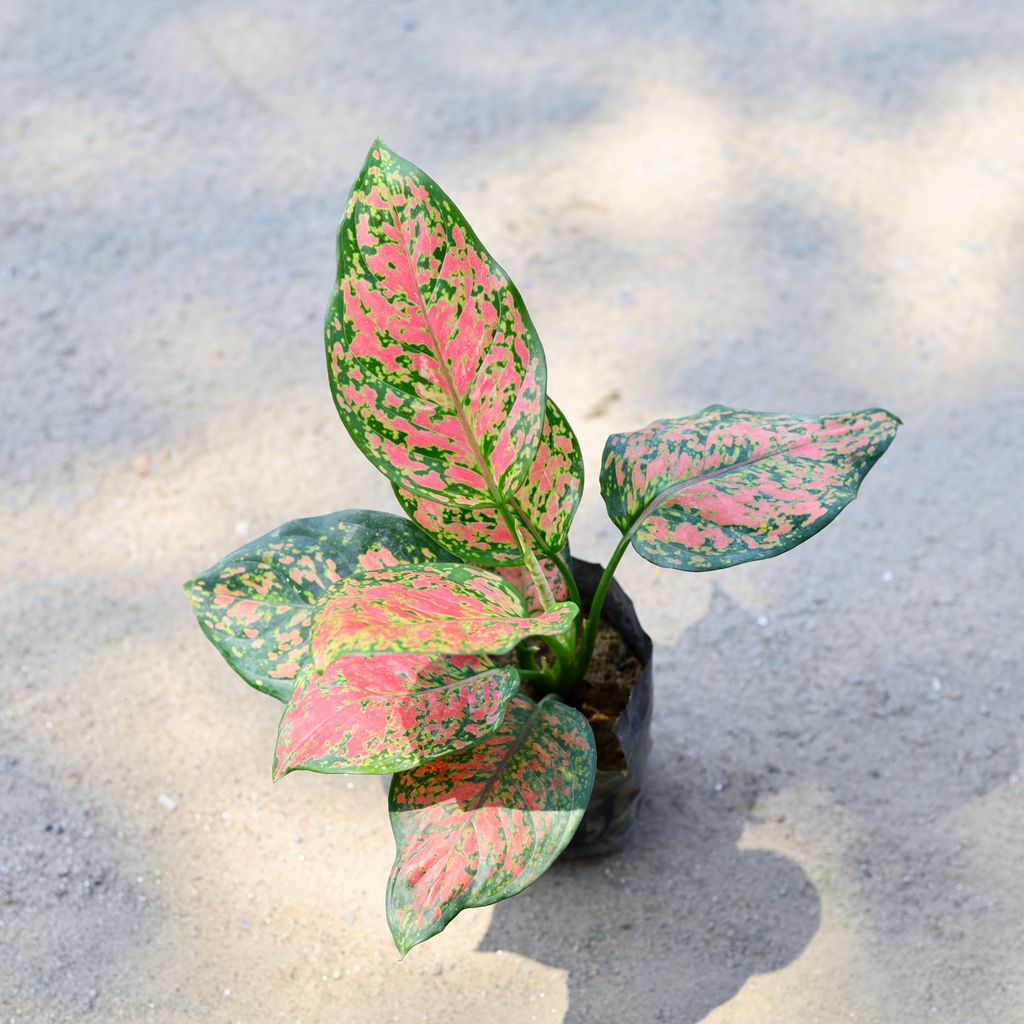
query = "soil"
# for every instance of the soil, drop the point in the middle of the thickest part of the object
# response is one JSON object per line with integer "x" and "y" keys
{"x": 611, "y": 676}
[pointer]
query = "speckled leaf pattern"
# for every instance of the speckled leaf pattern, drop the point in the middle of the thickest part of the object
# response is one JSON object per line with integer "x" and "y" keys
{"x": 545, "y": 503}
{"x": 727, "y": 486}
{"x": 371, "y": 714}
{"x": 446, "y": 608}
{"x": 436, "y": 368}
{"x": 256, "y": 605}
{"x": 481, "y": 825}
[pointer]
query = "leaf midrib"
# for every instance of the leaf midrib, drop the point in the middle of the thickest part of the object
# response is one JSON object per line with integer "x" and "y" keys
{"x": 449, "y": 384}
{"x": 488, "y": 787}
{"x": 674, "y": 489}
{"x": 393, "y": 697}
{"x": 447, "y": 380}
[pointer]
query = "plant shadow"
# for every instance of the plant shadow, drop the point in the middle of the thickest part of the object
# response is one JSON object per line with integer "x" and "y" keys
{"x": 675, "y": 925}
{"x": 682, "y": 906}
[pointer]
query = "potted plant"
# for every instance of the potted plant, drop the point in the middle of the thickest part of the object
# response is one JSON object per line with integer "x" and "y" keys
{"x": 456, "y": 648}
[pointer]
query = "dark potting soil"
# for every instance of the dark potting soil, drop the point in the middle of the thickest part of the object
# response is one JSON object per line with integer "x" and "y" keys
{"x": 610, "y": 679}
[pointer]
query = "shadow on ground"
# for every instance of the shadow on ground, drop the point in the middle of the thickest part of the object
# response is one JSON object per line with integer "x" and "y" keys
{"x": 700, "y": 914}
{"x": 676, "y": 924}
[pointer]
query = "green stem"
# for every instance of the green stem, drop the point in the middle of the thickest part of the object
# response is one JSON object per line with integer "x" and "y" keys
{"x": 565, "y": 656}
{"x": 543, "y": 680}
{"x": 574, "y": 596}
{"x": 551, "y": 676}
{"x": 570, "y": 580}
{"x": 555, "y": 556}
{"x": 565, "y": 669}
{"x": 533, "y": 567}
{"x": 524, "y": 655}
{"x": 545, "y": 685}
{"x": 593, "y": 622}
{"x": 532, "y": 673}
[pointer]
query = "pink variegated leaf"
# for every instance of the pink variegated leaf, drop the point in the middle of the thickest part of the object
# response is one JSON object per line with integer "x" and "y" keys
{"x": 481, "y": 535}
{"x": 545, "y": 503}
{"x": 727, "y": 486}
{"x": 378, "y": 713}
{"x": 256, "y": 605}
{"x": 446, "y": 607}
{"x": 481, "y": 825}
{"x": 436, "y": 368}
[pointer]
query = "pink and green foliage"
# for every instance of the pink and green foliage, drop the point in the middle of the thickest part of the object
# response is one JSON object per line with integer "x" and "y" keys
{"x": 446, "y": 606}
{"x": 378, "y": 713}
{"x": 481, "y": 825}
{"x": 436, "y": 367}
{"x": 256, "y": 606}
{"x": 729, "y": 486}
{"x": 451, "y": 649}
{"x": 545, "y": 504}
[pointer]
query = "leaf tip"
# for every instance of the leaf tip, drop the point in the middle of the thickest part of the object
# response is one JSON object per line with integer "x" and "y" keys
{"x": 402, "y": 944}
{"x": 377, "y": 149}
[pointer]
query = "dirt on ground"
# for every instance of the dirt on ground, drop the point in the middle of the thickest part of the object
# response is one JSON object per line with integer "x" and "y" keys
{"x": 799, "y": 206}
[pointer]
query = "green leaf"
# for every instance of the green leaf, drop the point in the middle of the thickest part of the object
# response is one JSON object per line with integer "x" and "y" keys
{"x": 727, "y": 485}
{"x": 445, "y": 608}
{"x": 436, "y": 368}
{"x": 481, "y": 825}
{"x": 545, "y": 503}
{"x": 256, "y": 605}
{"x": 371, "y": 714}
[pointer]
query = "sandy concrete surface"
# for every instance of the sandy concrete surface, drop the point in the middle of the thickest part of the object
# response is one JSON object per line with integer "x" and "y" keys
{"x": 797, "y": 206}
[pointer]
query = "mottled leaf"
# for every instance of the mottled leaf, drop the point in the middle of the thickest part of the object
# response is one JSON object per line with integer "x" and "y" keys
{"x": 546, "y": 503}
{"x": 446, "y": 608}
{"x": 481, "y": 825}
{"x": 436, "y": 368}
{"x": 371, "y": 714}
{"x": 256, "y": 605}
{"x": 729, "y": 486}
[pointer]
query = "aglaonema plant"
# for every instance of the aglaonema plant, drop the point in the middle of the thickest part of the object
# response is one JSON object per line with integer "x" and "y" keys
{"x": 449, "y": 648}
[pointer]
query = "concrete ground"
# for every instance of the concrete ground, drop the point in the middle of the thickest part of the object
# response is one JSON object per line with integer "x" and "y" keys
{"x": 806, "y": 206}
